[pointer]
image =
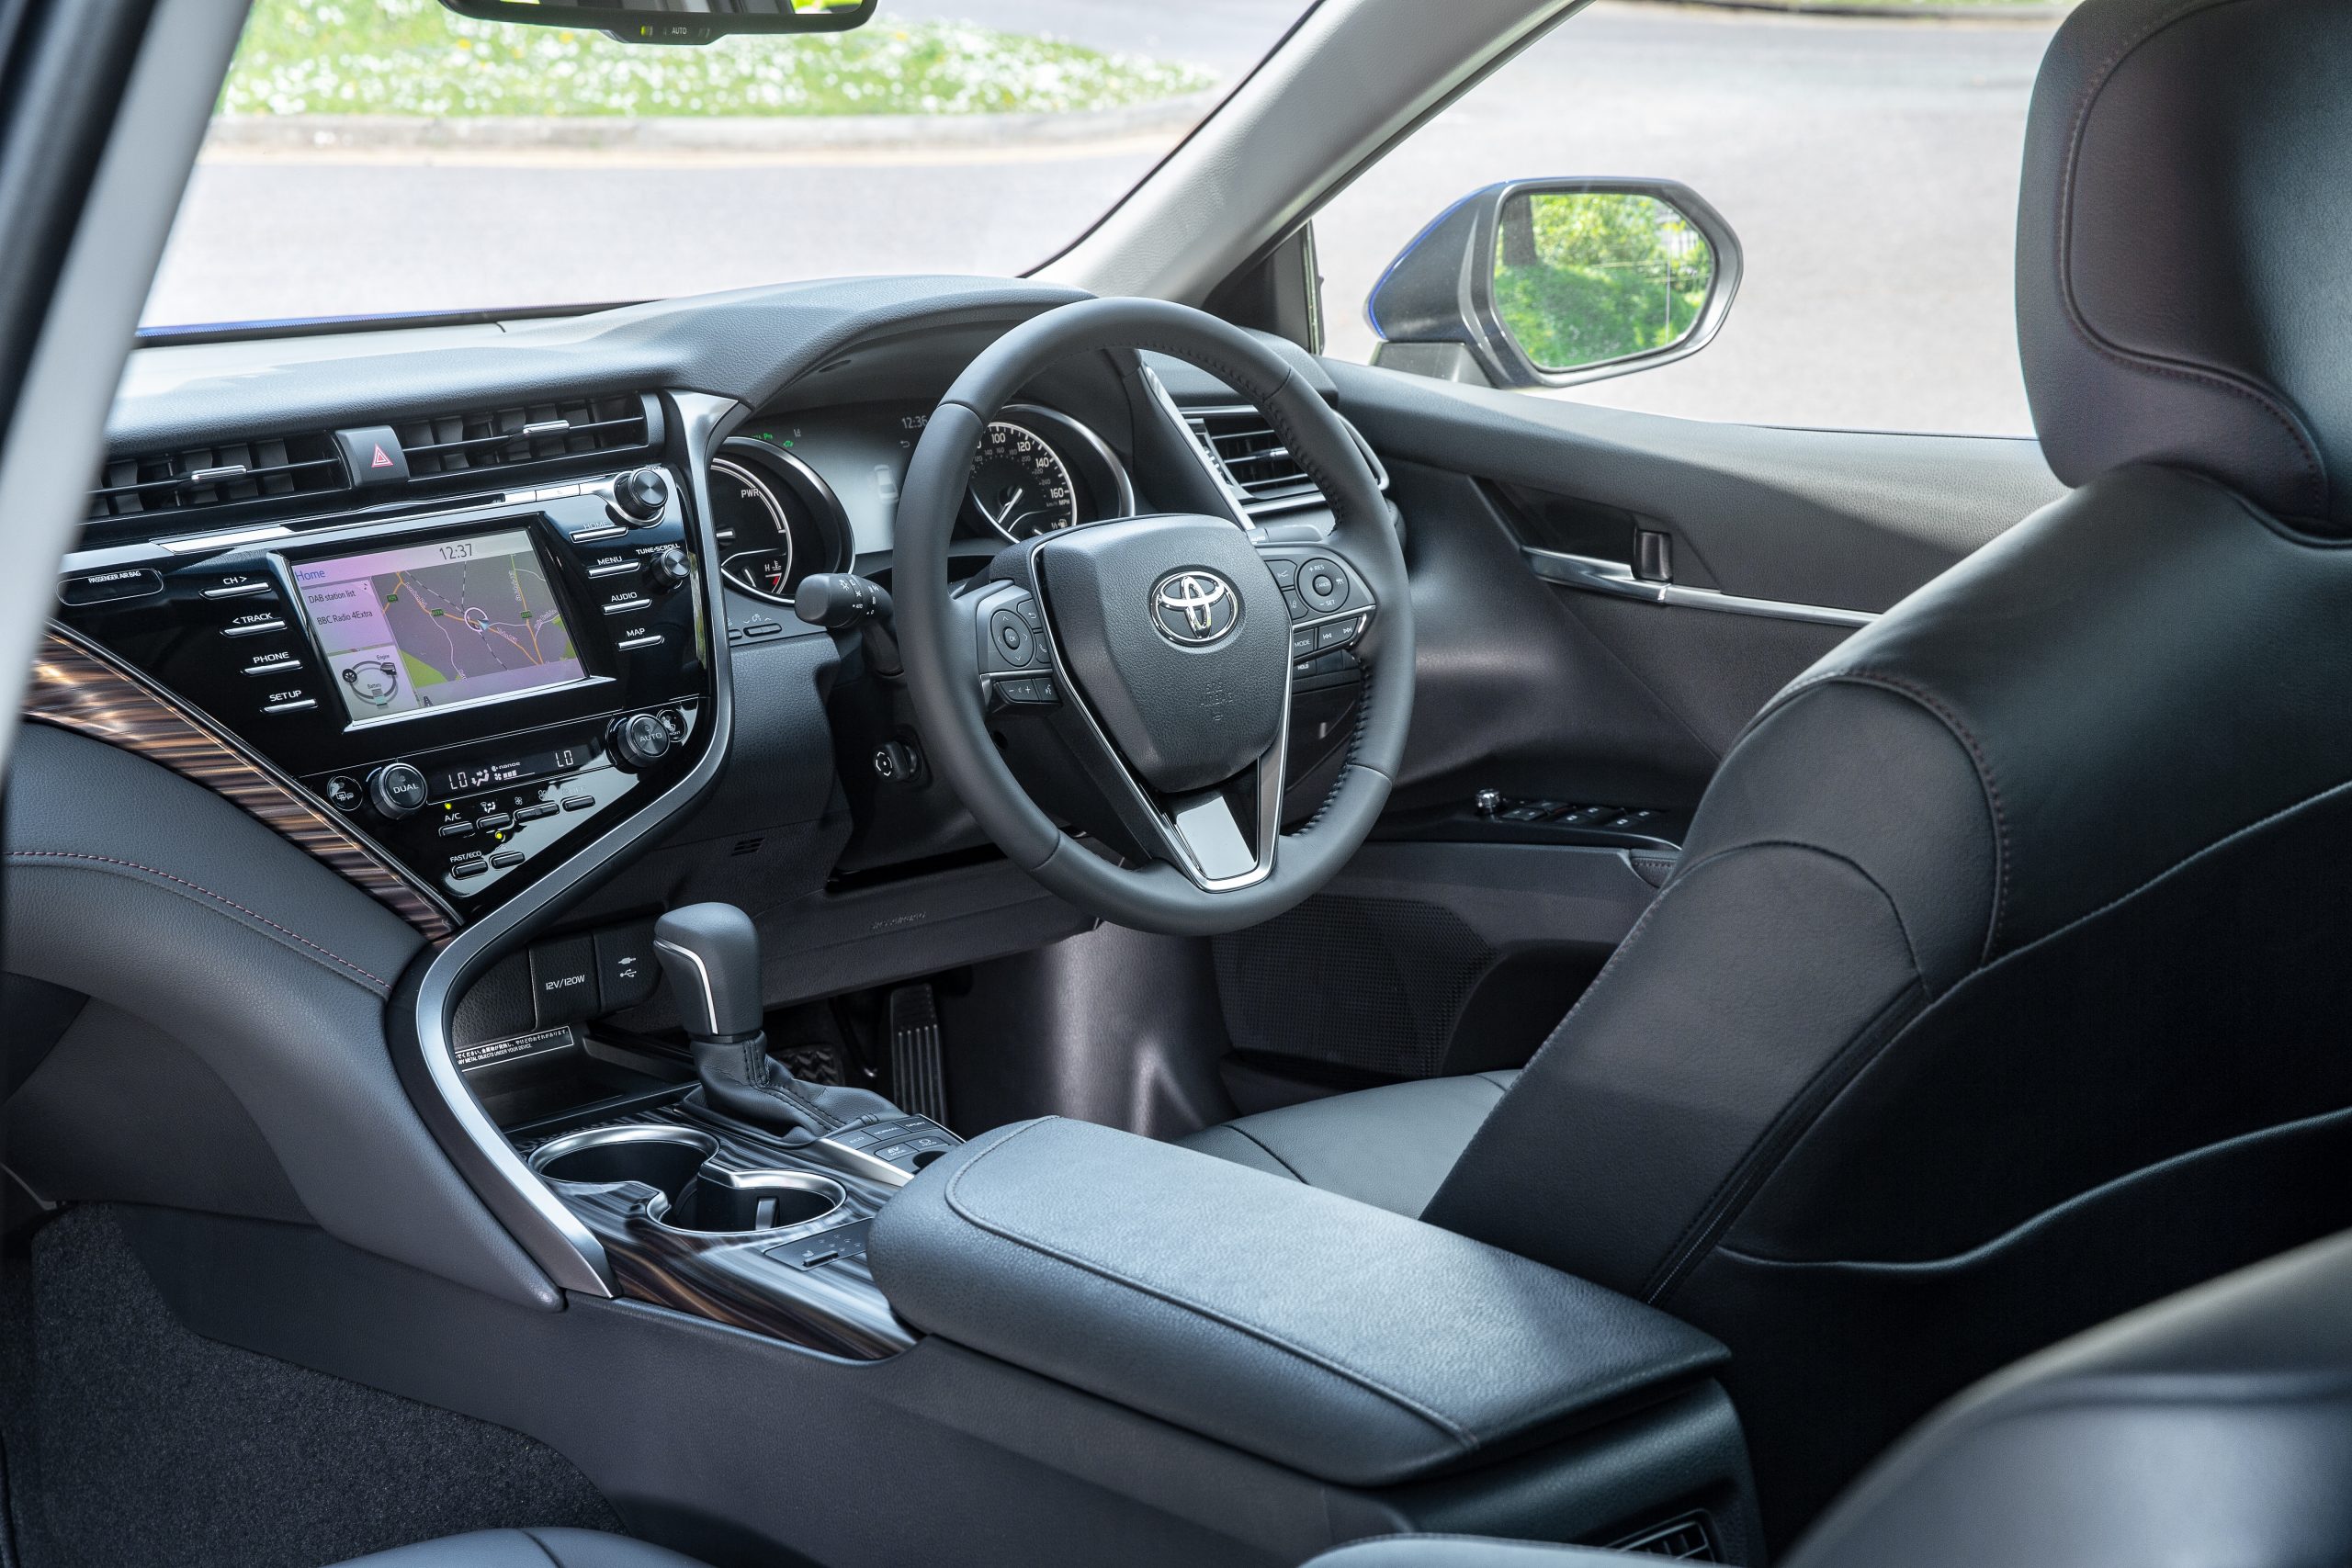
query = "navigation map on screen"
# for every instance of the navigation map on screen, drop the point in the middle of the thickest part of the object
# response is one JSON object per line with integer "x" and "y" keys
{"x": 435, "y": 624}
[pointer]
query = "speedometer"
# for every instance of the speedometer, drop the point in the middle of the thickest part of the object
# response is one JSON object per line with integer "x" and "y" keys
{"x": 1020, "y": 484}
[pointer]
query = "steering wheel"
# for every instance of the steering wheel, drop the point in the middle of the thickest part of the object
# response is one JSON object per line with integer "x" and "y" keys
{"x": 1162, "y": 645}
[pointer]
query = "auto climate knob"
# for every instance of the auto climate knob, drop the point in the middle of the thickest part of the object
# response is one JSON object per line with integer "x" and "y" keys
{"x": 397, "y": 789}
{"x": 638, "y": 741}
{"x": 640, "y": 497}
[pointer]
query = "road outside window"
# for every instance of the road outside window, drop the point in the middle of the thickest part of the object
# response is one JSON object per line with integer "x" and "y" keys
{"x": 377, "y": 156}
{"x": 1868, "y": 167}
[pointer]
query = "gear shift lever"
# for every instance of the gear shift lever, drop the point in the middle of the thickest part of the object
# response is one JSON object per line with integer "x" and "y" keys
{"x": 711, "y": 954}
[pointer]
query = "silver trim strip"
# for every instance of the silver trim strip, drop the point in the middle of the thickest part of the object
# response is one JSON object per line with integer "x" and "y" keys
{"x": 223, "y": 541}
{"x": 701, "y": 972}
{"x": 535, "y": 1217}
{"x": 1593, "y": 575}
{"x": 1236, "y": 513}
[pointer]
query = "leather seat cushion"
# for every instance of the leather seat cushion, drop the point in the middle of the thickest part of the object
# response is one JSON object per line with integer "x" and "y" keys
{"x": 1468, "y": 1552}
{"x": 526, "y": 1549}
{"x": 1389, "y": 1146}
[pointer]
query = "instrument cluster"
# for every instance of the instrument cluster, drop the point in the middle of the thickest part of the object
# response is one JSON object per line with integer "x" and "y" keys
{"x": 811, "y": 492}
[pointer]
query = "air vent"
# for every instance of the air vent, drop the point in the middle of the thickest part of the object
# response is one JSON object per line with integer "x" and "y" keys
{"x": 235, "y": 473}
{"x": 1269, "y": 480}
{"x": 526, "y": 435}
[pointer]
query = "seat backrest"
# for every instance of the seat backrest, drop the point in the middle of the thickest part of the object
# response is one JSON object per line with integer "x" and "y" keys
{"x": 2000, "y": 987}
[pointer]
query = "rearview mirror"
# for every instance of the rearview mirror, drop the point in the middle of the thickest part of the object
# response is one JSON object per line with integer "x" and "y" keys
{"x": 675, "y": 21}
{"x": 1548, "y": 283}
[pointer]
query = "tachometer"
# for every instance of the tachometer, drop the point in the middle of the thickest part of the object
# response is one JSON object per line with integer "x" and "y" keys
{"x": 1020, "y": 484}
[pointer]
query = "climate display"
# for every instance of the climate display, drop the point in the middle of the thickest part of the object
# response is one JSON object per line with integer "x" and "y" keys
{"x": 438, "y": 625}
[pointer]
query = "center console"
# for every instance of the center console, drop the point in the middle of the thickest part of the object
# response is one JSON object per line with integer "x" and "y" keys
{"x": 471, "y": 691}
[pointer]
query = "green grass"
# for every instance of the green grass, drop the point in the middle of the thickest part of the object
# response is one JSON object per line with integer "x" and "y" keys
{"x": 410, "y": 57}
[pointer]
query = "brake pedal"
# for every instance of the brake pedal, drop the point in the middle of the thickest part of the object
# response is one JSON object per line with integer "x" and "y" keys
{"x": 917, "y": 1077}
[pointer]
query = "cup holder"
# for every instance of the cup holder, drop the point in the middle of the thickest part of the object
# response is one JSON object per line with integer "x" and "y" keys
{"x": 695, "y": 1195}
{"x": 664, "y": 1158}
{"x": 729, "y": 1203}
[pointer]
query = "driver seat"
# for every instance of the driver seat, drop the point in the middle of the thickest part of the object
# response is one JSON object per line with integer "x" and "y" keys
{"x": 2001, "y": 987}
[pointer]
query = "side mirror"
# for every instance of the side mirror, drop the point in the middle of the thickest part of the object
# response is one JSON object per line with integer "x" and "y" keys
{"x": 674, "y": 21}
{"x": 1547, "y": 282}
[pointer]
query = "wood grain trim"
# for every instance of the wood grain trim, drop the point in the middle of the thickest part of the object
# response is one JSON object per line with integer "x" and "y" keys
{"x": 78, "y": 686}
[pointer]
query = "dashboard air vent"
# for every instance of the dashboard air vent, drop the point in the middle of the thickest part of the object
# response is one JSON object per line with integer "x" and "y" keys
{"x": 1264, "y": 474}
{"x": 263, "y": 468}
{"x": 523, "y": 435}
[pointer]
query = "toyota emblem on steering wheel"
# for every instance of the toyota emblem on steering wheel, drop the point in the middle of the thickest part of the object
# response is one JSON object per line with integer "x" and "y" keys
{"x": 1195, "y": 607}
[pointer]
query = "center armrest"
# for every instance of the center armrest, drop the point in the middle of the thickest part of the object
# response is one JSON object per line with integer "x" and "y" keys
{"x": 1355, "y": 1345}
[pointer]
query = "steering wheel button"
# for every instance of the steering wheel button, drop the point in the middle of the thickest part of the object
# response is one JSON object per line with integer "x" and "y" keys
{"x": 1010, "y": 635}
{"x": 1323, "y": 584}
{"x": 1302, "y": 643}
{"x": 1285, "y": 572}
{"x": 1032, "y": 613}
{"x": 1299, "y": 610}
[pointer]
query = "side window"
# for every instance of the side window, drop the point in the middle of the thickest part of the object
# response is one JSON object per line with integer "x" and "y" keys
{"x": 1865, "y": 170}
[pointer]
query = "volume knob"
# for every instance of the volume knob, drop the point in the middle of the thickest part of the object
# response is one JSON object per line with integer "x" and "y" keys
{"x": 397, "y": 789}
{"x": 640, "y": 741}
{"x": 640, "y": 497}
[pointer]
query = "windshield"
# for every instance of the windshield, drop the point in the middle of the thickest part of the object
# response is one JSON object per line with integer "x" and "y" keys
{"x": 380, "y": 157}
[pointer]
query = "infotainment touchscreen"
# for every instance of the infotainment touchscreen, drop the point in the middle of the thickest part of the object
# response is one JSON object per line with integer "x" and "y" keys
{"x": 433, "y": 625}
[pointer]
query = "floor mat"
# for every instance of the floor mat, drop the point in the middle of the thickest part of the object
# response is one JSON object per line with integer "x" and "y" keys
{"x": 133, "y": 1443}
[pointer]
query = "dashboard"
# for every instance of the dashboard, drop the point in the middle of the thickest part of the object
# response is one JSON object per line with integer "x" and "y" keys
{"x": 497, "y": 620}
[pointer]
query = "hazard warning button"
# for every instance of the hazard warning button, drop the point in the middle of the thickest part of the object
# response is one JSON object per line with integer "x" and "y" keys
{"x": 372, "y": 456}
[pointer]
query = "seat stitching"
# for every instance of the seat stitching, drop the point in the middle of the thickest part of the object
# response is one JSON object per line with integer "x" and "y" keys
{"x": 1905, "y": 687}
{"x": 252, "y": 914}
{"x": 2064, "y": 1205}
{"x": 1270, "y": 1152}
{"x": 545, "y": 1550}
{"x": 1968, "y": 981}
{"x": 2217, "y": 845}
{"x": 1750, "y": 1173}
{"x": 1445, "y": 1423}
{"x": 1909, "y": 946}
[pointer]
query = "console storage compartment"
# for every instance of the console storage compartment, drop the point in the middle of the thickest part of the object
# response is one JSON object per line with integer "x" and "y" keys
{"x": 1364, "y": 1349}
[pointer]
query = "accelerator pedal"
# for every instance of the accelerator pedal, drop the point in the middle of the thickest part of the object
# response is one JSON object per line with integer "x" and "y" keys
{"x": 917, "y": 1076}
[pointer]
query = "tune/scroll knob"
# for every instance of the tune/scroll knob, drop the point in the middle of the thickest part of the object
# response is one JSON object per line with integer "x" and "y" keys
{"x": 640, "y": 741}
{"x": 640, "y": 497}
{"x": 671, "y": 566}
{"x": 397, "y": 789}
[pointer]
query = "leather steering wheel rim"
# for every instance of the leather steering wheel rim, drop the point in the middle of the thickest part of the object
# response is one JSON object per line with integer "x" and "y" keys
{"x": 942, "y": 663}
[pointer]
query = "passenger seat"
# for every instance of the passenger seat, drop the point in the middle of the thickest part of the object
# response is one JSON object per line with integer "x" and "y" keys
{"x": 2211, "y": 1430}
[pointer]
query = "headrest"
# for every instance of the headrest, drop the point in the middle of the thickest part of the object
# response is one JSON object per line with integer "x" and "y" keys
{"x": 2185, "y": 247}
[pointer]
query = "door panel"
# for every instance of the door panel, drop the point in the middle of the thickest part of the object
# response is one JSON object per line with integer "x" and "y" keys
{"x": 1836, "y": 518}
{"x": 1548, "y": 669}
